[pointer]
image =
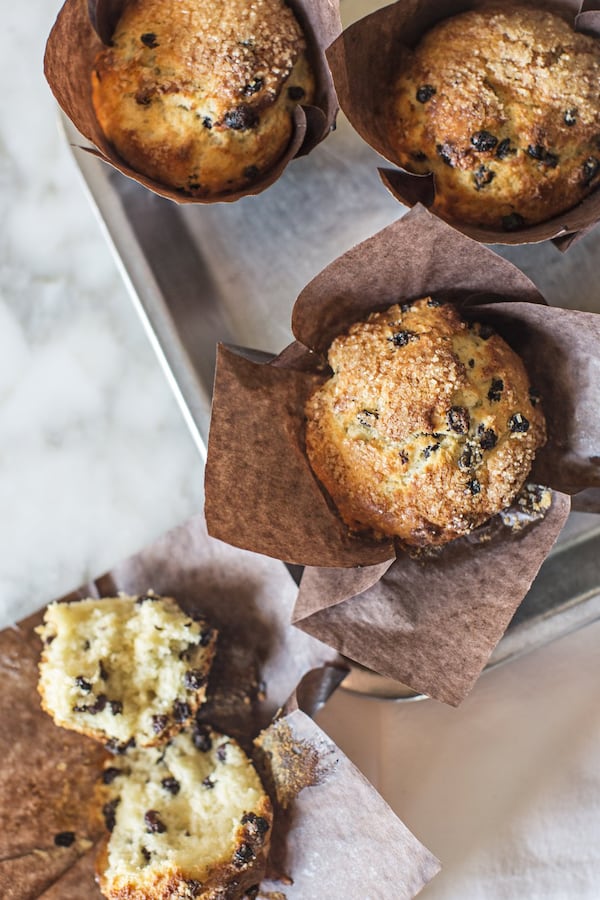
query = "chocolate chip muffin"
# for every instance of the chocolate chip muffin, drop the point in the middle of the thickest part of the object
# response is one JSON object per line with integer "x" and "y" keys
{"x": 200, "y": 96}
{"x": 502, "y": 104}
{"x": 124, "y": 670}
{"x": 428, "y": 426}
{"x": 189, "y": 820}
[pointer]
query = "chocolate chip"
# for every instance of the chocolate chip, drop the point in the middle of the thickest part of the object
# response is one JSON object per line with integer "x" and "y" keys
{"x": 402, "y": 338}
{"x": 474, "y": 486}
{"x": 404, "y": 458}
{"x": 406, "y": 306}
{"x": 171, "y": 785}
{"x": 483, "y": 141}
{"x": 367, "y": 417}
{"x": 471, "y": 363}
{"x": 109, "y": 774}
{"x": 253, "y": 87}
{"x": 488, "y": 439}
{"x": 117, "y": 748}
{"x": 495, "y": 391}
{"x": 518, "y": 424}
{"x": 433, "y": 302}
{"x": 431, "y": 448}
{"x": 485, "y": 332}
{"x": 86, "y": 644}
{"x": 459, "y": 419}
{"x": 208, "y": 782}
{"x": 194, "y": 679}
{"x": 83, "y": 684}
{"x": 143, "y": 97}
{"x": 206, "y": 637}
{"x": 251, "y": 172}
{"x": 116, "y": 707}
{"x": 445, "y": 151}
{"x": 295, "y": 92}
{"x": 159, "y": 723}
{"x": 222, "y": 753}
{"x": 93, "y": 708}
{"x": 241, "y": 118}
{"x": 425, "y": 93}
{"x": 512, "y": 222}
{"x": 591, "y": 168}
{"x": 146, "y": 854}
{"x": 99, "y": 705}
{"x": 207, "y": 122}
{"x": 64, "y": 838}
{"x": 103, "y": 672}
{"x": 570, "y": 117}
{"x": 534, "y": 396}
{"x": 149, "y": 39}
{"x": 418, "y": 156}
{"x": 195, "y": 887}
{"x": 154, "y": 823}
{"x": 109, "y": 813}
{"x": 504, "y": 149}
{"x": 539, "y": 152}
{"x": 483, "y": 176}
{"x": 244, "y": 854}
{"x": 181, "y": 711}
{"x": 201, "y": 738}
{"x": 260, "y": 825}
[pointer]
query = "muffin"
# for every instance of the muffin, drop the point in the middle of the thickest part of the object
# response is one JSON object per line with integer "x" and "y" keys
{"x": 124, "y": 670}
{"x": 428, "y": 426}
{"x": 502, "y": 104}
{"x": 201, "y": 97}
{"x": 190, "y": 820}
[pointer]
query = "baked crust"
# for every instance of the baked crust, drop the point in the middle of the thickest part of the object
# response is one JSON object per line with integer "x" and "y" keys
{"x": 428, "y": 426}
{"x": 124, "y": 670}
{"x": 201, "y": 97}
{"x": 502, "y": 104}
{"x": 201, "y": 784}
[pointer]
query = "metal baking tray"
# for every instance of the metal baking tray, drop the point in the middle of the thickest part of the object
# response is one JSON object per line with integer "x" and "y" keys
{"x": 231, "y": 272}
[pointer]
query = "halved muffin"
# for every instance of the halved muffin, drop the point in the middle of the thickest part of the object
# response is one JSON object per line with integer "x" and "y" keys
{"x": 124, "y": 670}
{"x": 189, "y": 820}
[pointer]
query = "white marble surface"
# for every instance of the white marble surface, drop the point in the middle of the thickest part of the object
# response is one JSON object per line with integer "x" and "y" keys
{"x": 95, "y": 460}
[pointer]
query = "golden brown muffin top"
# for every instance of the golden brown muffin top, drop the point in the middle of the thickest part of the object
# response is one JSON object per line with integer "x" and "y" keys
{"x": 232, "y": 49}
{"x": 503, "y": 105}
{"x": 428, "y": 426}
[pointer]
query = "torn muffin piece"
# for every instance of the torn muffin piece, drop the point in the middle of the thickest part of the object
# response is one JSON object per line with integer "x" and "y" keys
{"x": 189, "y": 820}
{"x": 124, "y": 670}
{"x": 201, "y": 96}
{"x": 428, "y": 426}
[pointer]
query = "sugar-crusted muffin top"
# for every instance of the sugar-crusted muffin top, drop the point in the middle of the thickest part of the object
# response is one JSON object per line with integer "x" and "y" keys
{"x": 124, "y": 669}
{"x": 187, "y": 820}
{"x": 428, "y": 426}
{"x": 200, "y": 96}
{"x": 503, "y": 105}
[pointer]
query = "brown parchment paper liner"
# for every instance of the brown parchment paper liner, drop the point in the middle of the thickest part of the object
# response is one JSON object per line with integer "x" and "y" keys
{"x": 48, "y": 774}
{"x": 74, "y": 43}
{"x": 431, "y": 623}
{"x": 364, "y": 60}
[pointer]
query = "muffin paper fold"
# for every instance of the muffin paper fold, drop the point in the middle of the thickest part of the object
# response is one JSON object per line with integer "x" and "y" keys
{"x": 364, "y": 60}
{"x": 267, "y": 675}
{"x": 432, "y": 620}
{"x": 78, "y": 35}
